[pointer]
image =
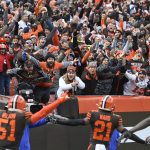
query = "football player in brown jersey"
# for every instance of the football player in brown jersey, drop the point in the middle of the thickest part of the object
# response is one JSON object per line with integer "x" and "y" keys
{"x": 103, "y": 122}
{"x": 14, "y": 119}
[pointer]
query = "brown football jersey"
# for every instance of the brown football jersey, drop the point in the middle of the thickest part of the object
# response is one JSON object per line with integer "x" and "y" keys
{"x": 103, "y": 124}
{"x": 12, "y": 124}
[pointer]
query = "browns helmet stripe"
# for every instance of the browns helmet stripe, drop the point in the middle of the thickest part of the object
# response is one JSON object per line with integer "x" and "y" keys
{"x": 104, "y": 101}
{"x": 14, "y": 104}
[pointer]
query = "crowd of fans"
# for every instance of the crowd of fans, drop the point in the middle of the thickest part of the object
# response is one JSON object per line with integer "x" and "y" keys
{"x": 107, "y": 43}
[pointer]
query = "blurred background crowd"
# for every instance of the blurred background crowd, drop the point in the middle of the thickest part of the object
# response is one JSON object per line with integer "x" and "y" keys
{"x": 88, "y": 47}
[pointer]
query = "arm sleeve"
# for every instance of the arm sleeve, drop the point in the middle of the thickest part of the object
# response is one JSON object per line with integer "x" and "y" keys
{"x": 39, "y": 123}
{"x": 50, "y": 36}
{"x": 87, "y": 41}
{"x": 14, "y": 71}
{"x": 37, "y": 7}
{"x": 126, "y": 47}
{"x": 39, "y": 28}
{"x": 71, "y": 122}
{"x": 134, "y": 137}
{"x": 49, "y": 24}
{"x": 55, "y": 39}
{"x": 46, "y": 110}
{"x": 81, "y": 84}
{"x": 61, "y": 56}
{"x": 135, "y": 43}
{"x": 5, "y": 17}
{"x": 86, "y": 56}
{"x": 35, "y": 61}
{"x": 137, "y": 139}
{"x": 63, "y": 85}
{"x": 130, "y": 76}
{"x": 75, "y": 41}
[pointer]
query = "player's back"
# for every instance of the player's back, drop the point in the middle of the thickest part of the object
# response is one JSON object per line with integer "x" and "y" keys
{"x": 103, "y": 124}
{"x": 12, "y": 124}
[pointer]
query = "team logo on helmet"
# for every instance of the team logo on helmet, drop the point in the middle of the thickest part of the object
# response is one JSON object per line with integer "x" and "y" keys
{"x": 17, "y": 102}
{"x": 106, "y": 103}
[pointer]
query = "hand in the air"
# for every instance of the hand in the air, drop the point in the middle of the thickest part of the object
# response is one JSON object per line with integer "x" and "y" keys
{"x": 51, "y": 118}
{"x": 54, "y": 119}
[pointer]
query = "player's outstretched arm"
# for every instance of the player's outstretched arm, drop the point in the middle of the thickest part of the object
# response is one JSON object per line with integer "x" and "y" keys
{"x": 137, "y": 139}
{"x": 57, "y": 119}
{"x": 47, "y": 109}
{"x": 141, "y": 125}
{"x": 128, "y": 135}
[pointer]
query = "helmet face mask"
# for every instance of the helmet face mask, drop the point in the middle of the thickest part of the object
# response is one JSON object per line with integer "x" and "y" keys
{"x": 17, "y": 102}
{"x": 106, "y": 103}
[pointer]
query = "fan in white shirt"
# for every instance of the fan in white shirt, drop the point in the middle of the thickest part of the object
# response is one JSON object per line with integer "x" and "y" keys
{"x": 23, "y": 23}
{"x": 136, "y": 84}
{"x": 70, "y": 82}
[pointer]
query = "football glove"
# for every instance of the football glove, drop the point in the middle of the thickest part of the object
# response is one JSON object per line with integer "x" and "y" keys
{"x": 125, "y": 135}
{"x": 51, "y": 118}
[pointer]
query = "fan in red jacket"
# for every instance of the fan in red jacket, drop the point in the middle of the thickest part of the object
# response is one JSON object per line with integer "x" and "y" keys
{"x": 5, "y": 63}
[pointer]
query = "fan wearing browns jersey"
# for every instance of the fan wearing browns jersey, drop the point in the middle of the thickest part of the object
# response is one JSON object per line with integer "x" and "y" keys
{"x": 103, "y": 122}
{"x": 15, "y": 118}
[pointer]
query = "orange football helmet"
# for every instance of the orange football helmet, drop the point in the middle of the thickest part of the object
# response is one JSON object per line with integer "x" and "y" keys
{"x": 107, "y": 103}
{"x": 17, "y": 102}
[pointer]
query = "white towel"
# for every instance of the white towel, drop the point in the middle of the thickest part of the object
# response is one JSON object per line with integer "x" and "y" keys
{"x": 100, "y": 147}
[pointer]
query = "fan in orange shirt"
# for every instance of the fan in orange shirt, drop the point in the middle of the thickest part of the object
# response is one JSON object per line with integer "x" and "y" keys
{"x": 51, "y": 66}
